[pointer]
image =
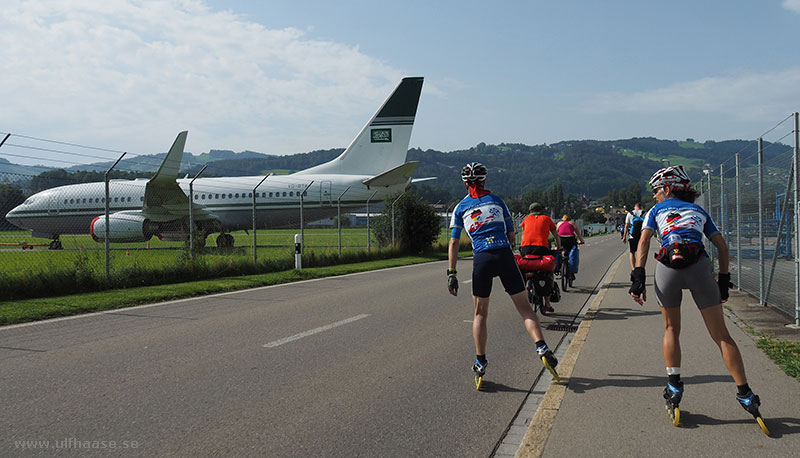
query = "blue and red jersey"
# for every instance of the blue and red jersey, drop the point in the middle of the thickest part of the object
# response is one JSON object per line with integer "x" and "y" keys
{"x": 677, "y": 221}
{"x": 486, "y": 219}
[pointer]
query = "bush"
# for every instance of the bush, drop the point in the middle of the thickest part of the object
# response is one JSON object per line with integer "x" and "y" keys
{"x": 416, "y": 224}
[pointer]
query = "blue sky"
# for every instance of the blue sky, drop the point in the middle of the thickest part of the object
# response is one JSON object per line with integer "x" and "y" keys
{"x": 290, "y": 77}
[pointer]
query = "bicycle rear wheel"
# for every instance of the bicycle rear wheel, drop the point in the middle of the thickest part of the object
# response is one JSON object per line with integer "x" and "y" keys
{"x": 531, "y": 294}
{"x": 565, "y": 274}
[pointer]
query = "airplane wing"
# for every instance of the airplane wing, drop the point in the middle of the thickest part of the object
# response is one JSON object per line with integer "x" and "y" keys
{"x": 164, "y": 200}
{"x": 397, "y": 175}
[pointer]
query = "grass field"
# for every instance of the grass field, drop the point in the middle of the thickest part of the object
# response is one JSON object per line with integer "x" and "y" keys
{"x": 81, "y": 248}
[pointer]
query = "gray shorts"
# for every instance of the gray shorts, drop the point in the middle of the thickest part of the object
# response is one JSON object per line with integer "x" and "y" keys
{"x": 697, "y": 278}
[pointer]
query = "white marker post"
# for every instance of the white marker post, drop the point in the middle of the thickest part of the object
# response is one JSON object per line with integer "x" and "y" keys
{"x": 298, "y": 259}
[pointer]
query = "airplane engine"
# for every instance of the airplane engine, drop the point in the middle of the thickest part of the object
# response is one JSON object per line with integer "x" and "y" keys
{"x": 123, "y": 228}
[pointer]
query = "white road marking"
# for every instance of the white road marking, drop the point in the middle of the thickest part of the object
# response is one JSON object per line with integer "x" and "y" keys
{"x": 313, "y": 331}
{"x": 466, "y": 281}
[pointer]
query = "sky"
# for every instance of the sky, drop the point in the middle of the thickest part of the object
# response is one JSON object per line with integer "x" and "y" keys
{"x": 284, "y": 77}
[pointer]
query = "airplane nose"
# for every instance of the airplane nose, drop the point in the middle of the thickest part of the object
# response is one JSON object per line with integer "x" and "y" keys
{"x": 14, "y": 218}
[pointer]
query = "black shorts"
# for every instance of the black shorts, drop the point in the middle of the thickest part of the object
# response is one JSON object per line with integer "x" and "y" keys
{"x": 568, "y": 242}
{"x": 495, "y": 263}
{"x": 634, "y": 243}
{"x": 534, "y": 249}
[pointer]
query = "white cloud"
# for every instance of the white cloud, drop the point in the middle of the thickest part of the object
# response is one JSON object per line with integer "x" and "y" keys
{"x": 762, "y": 96}
{"x": 130, "y": 74}
{"x": 791, "y": 5}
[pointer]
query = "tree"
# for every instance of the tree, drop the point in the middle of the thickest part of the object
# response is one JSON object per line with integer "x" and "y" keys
{"x": 416, "y": 223}
{"x": 10, "y": 196}
{"x": 591, "y": 216}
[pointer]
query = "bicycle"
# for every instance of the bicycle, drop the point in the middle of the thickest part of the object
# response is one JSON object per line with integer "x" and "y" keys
{"x": 537, "y": 271}
{"x": 567, "y": 276}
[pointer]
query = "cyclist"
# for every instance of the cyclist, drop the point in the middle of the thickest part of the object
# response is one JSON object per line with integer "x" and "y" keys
{"x": 536, "y": 229}
{"x": 633, "y": 230}
{"x": 488, "y": 223}
{"x": 569, "y": 234}
{"x": 683, "y": 264}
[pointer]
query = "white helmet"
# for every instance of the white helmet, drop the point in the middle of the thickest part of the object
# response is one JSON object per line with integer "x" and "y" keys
{"x": 474, "y": 172}
{"x": 674, "y": 177}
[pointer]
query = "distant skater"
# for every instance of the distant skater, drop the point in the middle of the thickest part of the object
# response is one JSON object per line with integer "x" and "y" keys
{"x": 488, "y": 223}
{"x": 684, "y": 264}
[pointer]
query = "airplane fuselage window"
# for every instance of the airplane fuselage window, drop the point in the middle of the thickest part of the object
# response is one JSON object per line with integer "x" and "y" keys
{"x": 72, "y": 201}
{"x": 202, "y": 197}
{"x": 116, "y": 199}
{"x": 284, "y": 193}
{"x": 230, "y": 196}
{"x": 223, "y": 196}
{"x": 216, "y": 196}
{"x": 270, "y": 194}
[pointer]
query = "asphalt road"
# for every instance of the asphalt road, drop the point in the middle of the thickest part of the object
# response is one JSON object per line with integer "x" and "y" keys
{"x": 372, "y": 364}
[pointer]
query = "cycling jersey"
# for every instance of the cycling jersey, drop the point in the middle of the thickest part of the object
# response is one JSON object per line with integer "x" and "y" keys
{"x": 566, "y": 229}
{"x": 536, "y": 229}
{"x": 677, "y": 221}
{"x": 487, "y": 221}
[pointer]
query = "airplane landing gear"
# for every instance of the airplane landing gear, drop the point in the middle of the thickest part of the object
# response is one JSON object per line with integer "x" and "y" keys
{"x": 55, "y": 245}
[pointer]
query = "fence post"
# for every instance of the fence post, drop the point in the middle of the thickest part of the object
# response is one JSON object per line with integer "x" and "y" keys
{"x": 255, "y": 195}
{"x": 738, "y": 227}
{"x": 761, "y": 297}
{"x": 302, "y": 225}
{"x": 368, "y": 234}
{"x": 191, "y": 212}
{"x": 722, "y": 199}
{"x": 106, "y": 178}
{"x": 796, "y": 221}
{"x": 339, "y": 217}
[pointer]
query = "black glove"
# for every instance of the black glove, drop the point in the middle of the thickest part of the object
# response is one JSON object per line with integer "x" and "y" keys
{"x": 637, "y": 281}
{"x": 724, "y": 282}
{"x": 452, "y": 281}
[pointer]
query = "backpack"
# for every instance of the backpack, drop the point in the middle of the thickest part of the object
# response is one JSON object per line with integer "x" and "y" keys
{"x": 636, "y": 227}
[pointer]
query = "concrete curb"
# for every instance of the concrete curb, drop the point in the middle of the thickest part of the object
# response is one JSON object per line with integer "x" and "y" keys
{"x": 536, "y": 437}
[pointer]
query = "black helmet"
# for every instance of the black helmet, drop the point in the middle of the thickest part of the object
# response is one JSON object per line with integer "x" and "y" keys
{"x": 474, "y": 172}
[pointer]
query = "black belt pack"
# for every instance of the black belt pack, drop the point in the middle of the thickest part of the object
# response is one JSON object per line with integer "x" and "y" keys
{"x": 680, "y": 255}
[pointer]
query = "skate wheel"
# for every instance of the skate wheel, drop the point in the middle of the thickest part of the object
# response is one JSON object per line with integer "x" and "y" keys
{"x": 762, "y": 425}
{"x": 478, "y": 381}
{"x": 552, "y": 371}
{"x": 674, "y": 415}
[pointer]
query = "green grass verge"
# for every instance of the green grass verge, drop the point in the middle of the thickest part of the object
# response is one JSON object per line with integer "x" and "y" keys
{"x": 786, "y": 354}
{"x": 21, "y": 311}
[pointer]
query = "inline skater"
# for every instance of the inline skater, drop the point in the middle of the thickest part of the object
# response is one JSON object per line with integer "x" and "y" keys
{"x": 683, "y": 264}
{"x": 488, "y": 223}
{"x": 536, "y": 229}
{"x": 633, "y": 230}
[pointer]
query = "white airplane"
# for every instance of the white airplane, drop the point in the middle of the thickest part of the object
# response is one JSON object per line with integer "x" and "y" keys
{"x": 373, "y": 167}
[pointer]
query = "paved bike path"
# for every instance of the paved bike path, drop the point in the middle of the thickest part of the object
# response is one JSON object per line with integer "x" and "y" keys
{"x": 610, "y": 402}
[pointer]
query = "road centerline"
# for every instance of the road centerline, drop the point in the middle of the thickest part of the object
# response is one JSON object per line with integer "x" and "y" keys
{"x": 311, "y": 332}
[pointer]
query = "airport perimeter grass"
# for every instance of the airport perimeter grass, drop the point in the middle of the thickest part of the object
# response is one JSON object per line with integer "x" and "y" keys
{"x": 12, "y": 312}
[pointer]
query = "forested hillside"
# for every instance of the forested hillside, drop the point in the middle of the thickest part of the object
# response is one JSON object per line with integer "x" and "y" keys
{"x": 587, "y": 168}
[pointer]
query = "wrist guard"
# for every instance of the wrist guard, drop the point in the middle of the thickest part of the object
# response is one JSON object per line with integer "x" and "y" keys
{"x": 637, "y": 281}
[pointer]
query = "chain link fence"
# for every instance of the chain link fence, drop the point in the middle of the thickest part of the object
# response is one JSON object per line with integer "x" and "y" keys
{"x": 69, "y": 241}
{"x": 753, "y": 200}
